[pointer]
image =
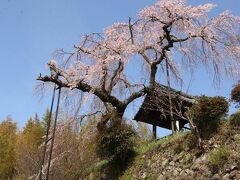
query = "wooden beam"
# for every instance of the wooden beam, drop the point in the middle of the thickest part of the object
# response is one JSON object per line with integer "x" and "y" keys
{"x": 154, "y": 132}
{"x": 187, "y": 128}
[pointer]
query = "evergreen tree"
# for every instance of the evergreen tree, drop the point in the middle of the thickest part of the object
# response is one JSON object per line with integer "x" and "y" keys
{"x": 46, "y": 118}
{"x": 34, "y": 131}
{"x": 29, "y": 149}
{"x": 7, "y": 148}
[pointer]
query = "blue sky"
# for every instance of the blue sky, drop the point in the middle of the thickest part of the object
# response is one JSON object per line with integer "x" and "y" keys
{"x": 31, "y": 30}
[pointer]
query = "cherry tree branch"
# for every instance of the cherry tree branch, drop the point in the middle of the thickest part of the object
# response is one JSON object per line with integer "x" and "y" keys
{"x": 115, "y": 77}
{"x": 103, "y": 95}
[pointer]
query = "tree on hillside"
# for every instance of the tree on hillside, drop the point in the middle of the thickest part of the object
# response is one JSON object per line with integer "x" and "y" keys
{"x": 73, "y": 152}
{"x": 46, "y": 118}
{"x": 34, "y": 131}
{"x": 99, "y": 65}
{"x": 28, "y": 147}
{"x": 8, "y": 137}
{"x": 235, "y": 94}
{"x": 207, "y": 114}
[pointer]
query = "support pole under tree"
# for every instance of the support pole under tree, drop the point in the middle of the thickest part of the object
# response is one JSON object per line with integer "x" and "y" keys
{"x": 53, "y": 135}
{"x": 154, "y": 132}
{"x": 170, "y": 98}
{"x": 47, "y": 133}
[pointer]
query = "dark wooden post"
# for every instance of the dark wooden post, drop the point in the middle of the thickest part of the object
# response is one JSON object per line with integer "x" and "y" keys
{"x": 47, "y": 134}
{"x": 173, "y": 122}
{"x": 154, "y": 132}
{"x": 53, "y": 135}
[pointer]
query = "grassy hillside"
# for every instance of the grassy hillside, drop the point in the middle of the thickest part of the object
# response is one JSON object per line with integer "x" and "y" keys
{"x": 177, "y": 157}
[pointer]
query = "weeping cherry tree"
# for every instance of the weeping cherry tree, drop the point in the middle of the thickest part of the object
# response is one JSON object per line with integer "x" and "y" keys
{"x": 160, "y": 33}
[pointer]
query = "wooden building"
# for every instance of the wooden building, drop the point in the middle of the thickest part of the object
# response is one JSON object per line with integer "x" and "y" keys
{"x": 155, "y": 109}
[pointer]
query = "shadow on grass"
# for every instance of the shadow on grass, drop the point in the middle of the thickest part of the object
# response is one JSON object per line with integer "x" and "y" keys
{"x": 116, "y": 167}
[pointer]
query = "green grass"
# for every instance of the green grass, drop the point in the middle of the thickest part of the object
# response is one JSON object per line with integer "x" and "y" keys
{"x": 95, "y": 167}
{"x": 237, "y": 138}
{"x": 142, "y": 149}
{"x": 219, "y": 156}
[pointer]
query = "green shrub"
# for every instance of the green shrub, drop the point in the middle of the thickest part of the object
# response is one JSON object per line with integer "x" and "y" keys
{"x": 218, "y": 157}
{"x": 235, "y": 94}
{"x": 117, "y": 144}
{"x": 235, "y": 120}
{"x": 207, "y": 113}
